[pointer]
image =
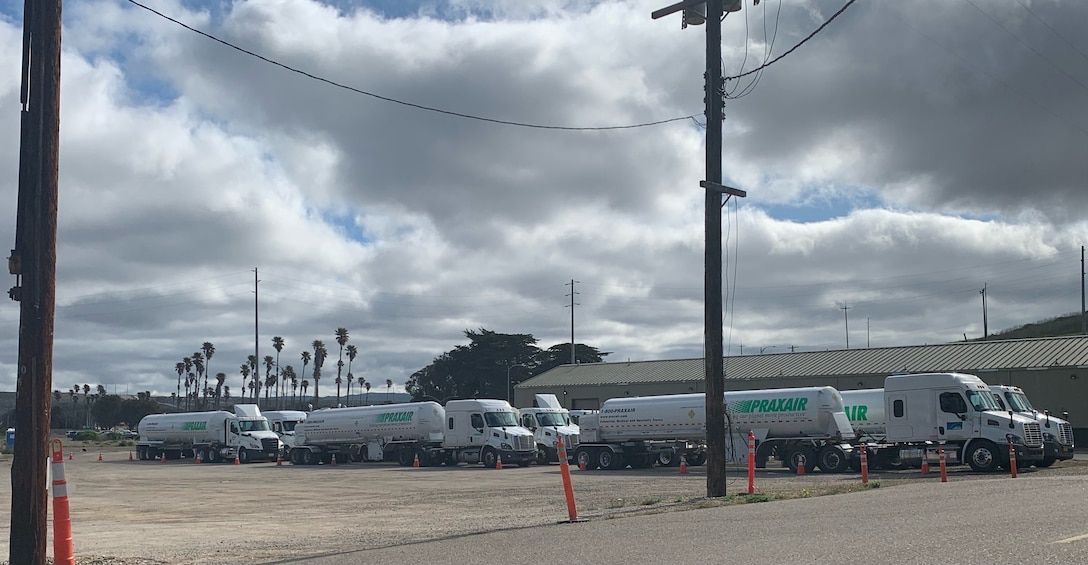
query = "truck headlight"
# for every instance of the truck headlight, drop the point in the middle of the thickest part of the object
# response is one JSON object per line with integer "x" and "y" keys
{"x": 1014, "y": 439}
{"x": 1049, "y": 436}
{"x": 506, "y": 446}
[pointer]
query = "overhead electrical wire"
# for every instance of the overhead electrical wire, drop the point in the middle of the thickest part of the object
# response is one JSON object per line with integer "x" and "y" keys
{"x": 473, "y": 116}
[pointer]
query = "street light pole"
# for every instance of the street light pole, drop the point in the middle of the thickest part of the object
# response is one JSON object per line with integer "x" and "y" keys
{"x": 509, "y": 389}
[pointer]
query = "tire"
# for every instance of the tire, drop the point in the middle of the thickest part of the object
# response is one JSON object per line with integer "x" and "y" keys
{"x": 211, "y": 455}
{"x": 308, "y": 457}
{"x": 451, "y": 459}
{"x": 583, "y": 457}
{"x": 983, "y": 457}
{"x": 608, "y": 459}
{"x": 202, "y": 455}
{"x": 698, "y": 458}
{"x": 832, "y": 459}
{"x": 1046, "y": 462}
{"x": 668, "y": 459}
{"x": 243, "y": 455}
{"x": 794, "y": 458}
{"x": 543, "y": 455}
{"x": 489, "y": 458}
{"x": 405, "y": 457}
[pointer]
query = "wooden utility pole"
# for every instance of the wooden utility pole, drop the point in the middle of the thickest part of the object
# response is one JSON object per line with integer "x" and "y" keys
{"x": 714, "y": 356}
{"x": 33, "y": 261}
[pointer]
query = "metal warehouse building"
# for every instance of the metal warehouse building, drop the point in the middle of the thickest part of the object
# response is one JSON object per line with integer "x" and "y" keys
{"x": 1052, "y": 371}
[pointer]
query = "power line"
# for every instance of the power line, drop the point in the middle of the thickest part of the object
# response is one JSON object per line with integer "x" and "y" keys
{"x": 405, "y": 103}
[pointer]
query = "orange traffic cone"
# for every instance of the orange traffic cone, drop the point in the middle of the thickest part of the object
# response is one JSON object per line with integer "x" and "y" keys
{"x": 198, "y": 458}
{"x": 415, "y": 462}
{"x": 279, "y": 460}
{"x": 69, "y": 456}
{"x": 162, "y": 457}
{"x": 925, "y": 462}
{"x": 236, "y": 460}
{"x": 683, "y": 465}
{"x": 334, "y": 460}
{"x": 99, "y": 456}
{"x": 581, "y": 466}
{"x": 130, "y": 456}
{"x": 498, "y": 461}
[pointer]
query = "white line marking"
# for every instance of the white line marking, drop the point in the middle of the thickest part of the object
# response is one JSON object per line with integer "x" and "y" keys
{"x": 1073, "y": 539}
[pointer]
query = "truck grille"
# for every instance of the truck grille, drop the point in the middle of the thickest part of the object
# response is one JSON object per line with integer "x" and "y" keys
{"x": 270, "y": 445}
{"x": 1033, "y": 437}
{"x": 524, "y": 443}
{"x": 574, "y": 440}
{"x": 1065, "y": 434}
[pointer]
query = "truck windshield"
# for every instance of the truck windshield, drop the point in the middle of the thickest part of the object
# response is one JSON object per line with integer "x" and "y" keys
{"x": 1019, "y": 402}
{"x": 253, "y": 425}
{"x": 289, "y": 425}
{"x": 550, "y": 419}
{"x": 982, "y": 400}
{"x": 500, "y": 419}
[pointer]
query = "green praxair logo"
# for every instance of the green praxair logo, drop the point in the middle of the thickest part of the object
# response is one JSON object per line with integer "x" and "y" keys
{"x": 395, "y": 417}
{"x": 769, "y": 405}
{"x": 857, "y": 413}
{"x": 191, "y": 426}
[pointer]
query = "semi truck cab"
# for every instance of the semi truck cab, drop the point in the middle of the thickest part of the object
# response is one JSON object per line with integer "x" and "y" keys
{"x": 1057, "y": 433}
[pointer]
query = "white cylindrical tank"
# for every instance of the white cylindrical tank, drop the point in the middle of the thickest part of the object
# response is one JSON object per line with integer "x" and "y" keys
{"x": 185, "y": 427}
{"x": 415, "y": 421}
{"x": 787, "y": 412}
{"x": 865, "y": 409}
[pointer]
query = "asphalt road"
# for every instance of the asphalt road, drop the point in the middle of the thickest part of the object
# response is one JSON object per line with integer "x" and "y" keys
{"x": 1037, "y": 520}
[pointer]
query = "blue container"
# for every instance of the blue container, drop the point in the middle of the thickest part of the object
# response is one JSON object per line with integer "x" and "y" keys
{"x": 9, "y": 438}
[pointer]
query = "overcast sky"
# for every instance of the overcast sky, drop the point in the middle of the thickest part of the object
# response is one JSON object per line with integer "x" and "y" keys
{"x": 906, "y": 156}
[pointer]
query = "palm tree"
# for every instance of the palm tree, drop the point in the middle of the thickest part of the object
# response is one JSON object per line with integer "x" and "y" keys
{"x": 352, "y": 353}
{"x": 319, "y": 360}
{"x": 188, "y": 362}
{"x": 220, "y": 379}
{"x": 388, "y": 389}
{"x": 305, "y": 361}
{"x": 269, "y": 379}
{"x": 226, "y": 391}
{"x": 254, "y": 374}
{"x": 198, "y": 364}
{"x": 366, "y": 385}
{"x": 86, "y": 404}
{"x": 294, "y": 384}
{"x": 101, "y": 390}
{"x": 245, "y": 379}
{"x": 277, "y": 344}
{"x": 180, "y": 368}
{"x": 305, "y": 385}
{"x": 342, "y": 340}
{"x": 208, "y": 350}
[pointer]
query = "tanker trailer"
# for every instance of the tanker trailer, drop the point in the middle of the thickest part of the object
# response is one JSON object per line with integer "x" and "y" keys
{"x": 384, "y": 432}
{"x": 794, "y": 423}
{"x": 465, "y": 431}
{"x": 212, "y": 436}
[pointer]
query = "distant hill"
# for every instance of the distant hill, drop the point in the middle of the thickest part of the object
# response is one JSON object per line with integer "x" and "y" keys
{"x": 1069, "y": 324}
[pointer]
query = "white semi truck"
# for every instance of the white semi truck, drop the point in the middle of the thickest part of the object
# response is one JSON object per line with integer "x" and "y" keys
{"x": 283, "y": 424}
{"x": 915, "y": 414}
{"x": 212, "y": 436}
{"x": 464, "y": 431}
{"x": 1057, "y": 433}
{"x": 794, "y": 424}
{"x": 549, "y": 421}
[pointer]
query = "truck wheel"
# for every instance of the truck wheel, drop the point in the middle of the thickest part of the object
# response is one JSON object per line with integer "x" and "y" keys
{"x": 668, "y": 459}
{"x": 1046, "y": 462}
{"x": 309, "y": 457}
{"x": 983, "y": 457}
{"x": 489, "y": 458}
{"x": 697, "y": 458}
{"x": 542, "y": 455}
{"x": 794, "y": 459}
{"x": 451, "y": 459}
{"x": 211, "y": 455}
{"x": 202, "y": 454}
{"x": 583, "y": 457}
{"x": 607, "y": 459}
{"x": 832, "y": 459}
{"x": 243, "y": 455}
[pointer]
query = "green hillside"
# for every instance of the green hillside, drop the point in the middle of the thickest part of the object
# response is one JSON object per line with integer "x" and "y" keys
{"x": 1069, "y": 324}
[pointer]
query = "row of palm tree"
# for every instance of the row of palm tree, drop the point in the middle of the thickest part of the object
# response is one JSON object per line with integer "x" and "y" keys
{"x": 276, "y": 377}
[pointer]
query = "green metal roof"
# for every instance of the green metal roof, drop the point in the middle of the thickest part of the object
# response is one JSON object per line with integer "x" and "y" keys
{"x": 979, "y": 356}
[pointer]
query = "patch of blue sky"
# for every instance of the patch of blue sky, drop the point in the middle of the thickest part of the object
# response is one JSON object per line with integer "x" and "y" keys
{"x": 12, "y": 11}
{"x": 822, "y": 207}
{"x": 217, "y": 10}
{"x": 346, "y": 224}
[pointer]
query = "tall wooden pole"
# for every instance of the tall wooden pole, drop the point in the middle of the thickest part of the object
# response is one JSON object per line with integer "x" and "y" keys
{"x": 34, "y": 262}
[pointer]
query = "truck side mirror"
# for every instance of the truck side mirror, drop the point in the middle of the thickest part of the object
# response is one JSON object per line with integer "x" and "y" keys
{"x": 1012, "y": 424}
